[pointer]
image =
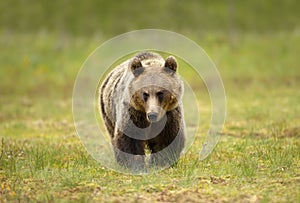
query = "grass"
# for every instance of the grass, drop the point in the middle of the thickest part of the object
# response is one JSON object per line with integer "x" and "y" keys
{"x": 256, "y": 160}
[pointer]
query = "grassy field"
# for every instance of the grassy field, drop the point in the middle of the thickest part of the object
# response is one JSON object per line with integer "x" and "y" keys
{"x": 254, "y": 44}
{"x": 256, "y": 160}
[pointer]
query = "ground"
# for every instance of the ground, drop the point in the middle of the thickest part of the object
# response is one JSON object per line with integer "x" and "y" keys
{"x": 256, "y": 159}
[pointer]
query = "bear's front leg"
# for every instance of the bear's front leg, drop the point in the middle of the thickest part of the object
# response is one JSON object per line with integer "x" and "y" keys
{"x": 166, "y": 152}
{"x": 129, "y": 152}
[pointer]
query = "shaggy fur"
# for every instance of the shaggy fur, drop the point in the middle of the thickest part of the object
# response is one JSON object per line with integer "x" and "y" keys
{"x": 132, "y": 91}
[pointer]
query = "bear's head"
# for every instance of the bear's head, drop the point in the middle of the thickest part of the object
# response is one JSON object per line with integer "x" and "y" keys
{"x": 156, "y": 87}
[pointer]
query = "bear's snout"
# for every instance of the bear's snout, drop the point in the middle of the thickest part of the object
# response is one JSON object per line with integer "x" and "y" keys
{"x": 152, "y": 116}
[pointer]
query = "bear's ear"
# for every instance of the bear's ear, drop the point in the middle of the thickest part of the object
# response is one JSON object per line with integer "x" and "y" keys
{"x": 136, "y": 66}
{"x": 171, "y": 64}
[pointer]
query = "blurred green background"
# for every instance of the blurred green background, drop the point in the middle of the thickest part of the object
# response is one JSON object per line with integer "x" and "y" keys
{"x": 255, "y": 46}
{"x": 44, "y": 43}
{"x": 110, "y": 18}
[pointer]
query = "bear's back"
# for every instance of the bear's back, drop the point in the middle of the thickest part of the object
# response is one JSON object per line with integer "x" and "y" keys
{"x": 107, "y": 90}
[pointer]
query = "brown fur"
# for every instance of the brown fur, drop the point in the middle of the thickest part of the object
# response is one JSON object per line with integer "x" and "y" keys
{"x": 125, "y": 95}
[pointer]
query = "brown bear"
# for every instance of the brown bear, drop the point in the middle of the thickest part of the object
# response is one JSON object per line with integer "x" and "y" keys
{"x": 140, "y": 102}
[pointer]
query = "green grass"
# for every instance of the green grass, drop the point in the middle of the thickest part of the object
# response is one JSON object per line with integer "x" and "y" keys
{"x": 256, "y": 160}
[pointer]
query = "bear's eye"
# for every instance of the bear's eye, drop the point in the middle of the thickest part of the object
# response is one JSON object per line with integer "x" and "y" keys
{"x": 145, "y": 96}
{"x": 160, "y": 96}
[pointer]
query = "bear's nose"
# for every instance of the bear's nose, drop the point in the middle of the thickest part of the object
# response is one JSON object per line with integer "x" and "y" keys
{"x": 152, "y": 116}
